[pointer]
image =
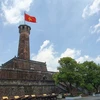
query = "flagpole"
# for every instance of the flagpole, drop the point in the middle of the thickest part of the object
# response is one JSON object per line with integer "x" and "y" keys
{"x": 24, "y": 17}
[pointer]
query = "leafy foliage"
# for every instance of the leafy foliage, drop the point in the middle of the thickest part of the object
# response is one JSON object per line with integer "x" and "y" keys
{"x": 85, "y": 75}
{"x": 91, "y": 76}
{"x": 68, "y": 73}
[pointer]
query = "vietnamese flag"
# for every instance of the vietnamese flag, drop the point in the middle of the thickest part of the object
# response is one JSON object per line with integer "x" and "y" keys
{"x": 29, "y": 18}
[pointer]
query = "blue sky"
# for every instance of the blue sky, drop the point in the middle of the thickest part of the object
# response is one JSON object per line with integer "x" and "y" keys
{"x": 64, "y": 28}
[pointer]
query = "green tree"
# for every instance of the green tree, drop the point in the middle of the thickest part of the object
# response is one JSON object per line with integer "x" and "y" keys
{"x": 68, "y": 73}
{"x": 96, "y": 80}
{"x": 91, "y": 76}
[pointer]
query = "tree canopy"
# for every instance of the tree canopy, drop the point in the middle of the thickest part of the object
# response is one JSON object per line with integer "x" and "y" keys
{"x": 85, "y": 75}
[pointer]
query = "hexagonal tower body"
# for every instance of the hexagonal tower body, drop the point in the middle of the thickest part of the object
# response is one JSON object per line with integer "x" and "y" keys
{"x": 24, "y": 47}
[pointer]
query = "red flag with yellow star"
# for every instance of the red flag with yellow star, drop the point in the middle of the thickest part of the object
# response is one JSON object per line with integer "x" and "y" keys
{"x": 29, "y": 18}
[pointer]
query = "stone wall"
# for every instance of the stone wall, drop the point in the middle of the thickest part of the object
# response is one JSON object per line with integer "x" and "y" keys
{"x": 24, "y": 74}
{"x": 17, "y": 63}
{"x": 25, "y": 77}
{"x": 26, "y": 87}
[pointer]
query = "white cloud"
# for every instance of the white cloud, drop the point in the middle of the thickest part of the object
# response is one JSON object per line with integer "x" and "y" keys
{"x": 97, "y": 60}
{"x": 95, "y": 28}
{"x": 49, "y": 55}
{"x": 88, "y": 58}
{"x": 71, "y": 53}
{"x": 12, "y": 10}
{"x": 91, "y": 9}
{"x": 45, "y": 43}
{"x": 98, "y": 40}
{"x": 85, "y": 12}
{"x": 84, "y": 58}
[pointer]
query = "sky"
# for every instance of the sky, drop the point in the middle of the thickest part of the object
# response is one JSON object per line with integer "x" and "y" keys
{"x": 64, "y": 28}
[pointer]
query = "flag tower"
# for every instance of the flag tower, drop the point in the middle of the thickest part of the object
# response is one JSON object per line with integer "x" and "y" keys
{"x": 24, "y": 48}
{"x": 24, "y": 30}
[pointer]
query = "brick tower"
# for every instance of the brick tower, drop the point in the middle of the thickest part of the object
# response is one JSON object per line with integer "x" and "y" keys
{"x": 24, "y": 48}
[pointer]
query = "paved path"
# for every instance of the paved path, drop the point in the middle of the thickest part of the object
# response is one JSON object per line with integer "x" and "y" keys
{"x": 90, "y": 98}
{"x": 86, "y": 98}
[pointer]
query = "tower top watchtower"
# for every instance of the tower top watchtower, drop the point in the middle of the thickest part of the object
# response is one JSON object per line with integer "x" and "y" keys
{"x": 24, "y": 47}
{"x": 24, "y": 28}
